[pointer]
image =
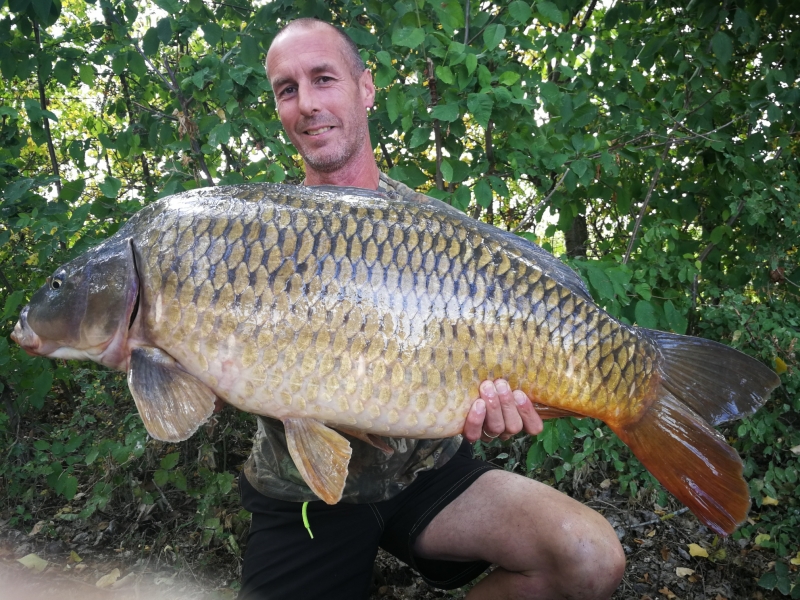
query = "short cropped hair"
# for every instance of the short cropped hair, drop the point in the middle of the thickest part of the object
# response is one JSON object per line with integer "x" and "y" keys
{"x": 351, "y": 52}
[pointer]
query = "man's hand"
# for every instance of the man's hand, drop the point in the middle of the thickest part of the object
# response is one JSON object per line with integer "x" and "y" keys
{"x": 501, "y": 412}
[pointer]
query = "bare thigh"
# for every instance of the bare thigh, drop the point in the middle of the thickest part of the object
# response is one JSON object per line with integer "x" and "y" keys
{"x": 517, "y": 523}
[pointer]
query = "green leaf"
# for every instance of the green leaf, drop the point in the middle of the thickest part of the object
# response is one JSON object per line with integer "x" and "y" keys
{"x": 446, "y": 112}
{"x": 550, "y": 12}
{"x": 471, "y": 63}
{"x": 768, "y": 581}
{"x": 42, "y": 9}
{"x": 420, "y": 136}
{"x": 164, "y": 30}
{"x": 722, "y": 46}
{"x": 447, "y": 170}
{"x": 645, "y": 314}
{"x": 110, "y": 187}
{"x": 408, "y": 37}
{"x": 637, "y": 80}
{"x": 600, "y": 282}
{"x": 384, "y": 58}
{"x": 250, "y": 51}
{"x": 212, "y": 33}
{"x": 151, "y": 40}
{"x": 393, "y": 103}
{"x": 508, "y": 78}
{"x": 445, "y": 74}
{"x": 521, "y": 11}
{"x": 677, "y": 322}
{"x": 160, "y": 477}
{"x": 483, "y": 193}
{"x": 480, "y": 106}
{"x": 170, "y": 460}
{"x": 71, "y": 190}
{"x": 493, "y": 35}
{"x": 86, "y": 74}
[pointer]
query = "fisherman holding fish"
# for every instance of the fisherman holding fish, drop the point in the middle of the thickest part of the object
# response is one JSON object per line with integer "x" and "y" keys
{"x": 427, "y": 501}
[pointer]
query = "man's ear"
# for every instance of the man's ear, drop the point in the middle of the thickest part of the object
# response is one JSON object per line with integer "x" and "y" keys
{"x": 367, "y": 88}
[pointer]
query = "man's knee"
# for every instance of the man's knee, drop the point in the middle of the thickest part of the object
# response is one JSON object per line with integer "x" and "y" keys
{"x": 592, "y": 559}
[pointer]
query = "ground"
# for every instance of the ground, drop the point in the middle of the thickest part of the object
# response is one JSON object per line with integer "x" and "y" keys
{"x": 658, "y": 549}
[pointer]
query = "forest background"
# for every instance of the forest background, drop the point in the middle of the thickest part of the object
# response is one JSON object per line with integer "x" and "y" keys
{"x": 652, "y": 145}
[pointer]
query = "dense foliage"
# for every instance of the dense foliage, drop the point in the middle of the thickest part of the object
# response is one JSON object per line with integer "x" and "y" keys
{"x": 653, "y": 144}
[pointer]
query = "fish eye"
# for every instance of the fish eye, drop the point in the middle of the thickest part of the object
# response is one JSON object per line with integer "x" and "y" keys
{"x": 56, "y": 281}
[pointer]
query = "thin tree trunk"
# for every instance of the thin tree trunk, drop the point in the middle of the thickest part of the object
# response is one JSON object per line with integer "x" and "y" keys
{"x": 43, "y": 103}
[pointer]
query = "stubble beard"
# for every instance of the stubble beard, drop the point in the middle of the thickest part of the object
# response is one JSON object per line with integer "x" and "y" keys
{"x": 331, "y": 160}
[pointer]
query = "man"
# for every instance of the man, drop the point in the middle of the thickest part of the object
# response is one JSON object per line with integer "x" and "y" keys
{"x": 429, "y": 503}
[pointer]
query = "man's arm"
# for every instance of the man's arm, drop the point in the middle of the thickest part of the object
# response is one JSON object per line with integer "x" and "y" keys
{"x": 501, "y": 412}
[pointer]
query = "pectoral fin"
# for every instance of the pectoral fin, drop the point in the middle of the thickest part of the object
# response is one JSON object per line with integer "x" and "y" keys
{"x": 320, "y": 454}
{"x": 172, "y": 403}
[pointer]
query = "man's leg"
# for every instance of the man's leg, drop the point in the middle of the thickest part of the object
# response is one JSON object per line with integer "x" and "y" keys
{"x": 546, "y": 545}
{"x": 282, "y": 562}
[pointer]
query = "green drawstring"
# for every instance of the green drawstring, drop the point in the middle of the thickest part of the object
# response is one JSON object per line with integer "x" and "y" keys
{"x": 305, "y": 519}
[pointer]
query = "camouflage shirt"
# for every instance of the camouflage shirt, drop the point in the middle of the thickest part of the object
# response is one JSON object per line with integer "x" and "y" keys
{"x": 373, "y": 476}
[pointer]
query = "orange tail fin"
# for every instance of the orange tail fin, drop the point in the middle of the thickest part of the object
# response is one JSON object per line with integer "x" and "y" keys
{"x": 692, "y": 460}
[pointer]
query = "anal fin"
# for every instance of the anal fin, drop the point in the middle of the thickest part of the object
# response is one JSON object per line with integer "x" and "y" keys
{"x": 551, "y": 412}
{"x": 368, "y": 438}
{"x": 320, "y": 454}
{"x": 172, "y": 403}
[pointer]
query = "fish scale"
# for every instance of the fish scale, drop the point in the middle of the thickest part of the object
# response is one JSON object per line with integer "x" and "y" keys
{"x": 342, "y": 309}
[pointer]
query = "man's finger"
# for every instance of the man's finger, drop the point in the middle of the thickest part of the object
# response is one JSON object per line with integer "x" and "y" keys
{"x": 512, "y": 422}
{"x": 531, "y": 421}
{"x": 473, "y": 427}
{"x": 494, "y": 424}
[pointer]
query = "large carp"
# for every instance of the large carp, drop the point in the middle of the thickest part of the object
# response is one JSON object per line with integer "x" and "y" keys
{"x": 340, "y": 309}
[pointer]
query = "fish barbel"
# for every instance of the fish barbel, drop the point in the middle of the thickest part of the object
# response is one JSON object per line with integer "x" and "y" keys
{"x": 341, "y": 309}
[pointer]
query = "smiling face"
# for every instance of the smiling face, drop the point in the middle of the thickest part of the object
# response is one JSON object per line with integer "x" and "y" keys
{"x": 321, "y": 104}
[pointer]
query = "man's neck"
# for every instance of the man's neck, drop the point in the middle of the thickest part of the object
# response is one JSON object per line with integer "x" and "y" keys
{"x": 365, "y": 176}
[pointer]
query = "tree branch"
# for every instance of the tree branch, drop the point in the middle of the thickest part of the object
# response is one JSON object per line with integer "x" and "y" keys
{"x": 43, "y": 103}
{"x": 646, "y": 202}
{"x": 528, "y": 218}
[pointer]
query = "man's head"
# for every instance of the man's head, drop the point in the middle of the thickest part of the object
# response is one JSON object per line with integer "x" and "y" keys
{"x": 322, "y": 93}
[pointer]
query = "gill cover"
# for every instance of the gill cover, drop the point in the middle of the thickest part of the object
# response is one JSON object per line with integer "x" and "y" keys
{"x": 84, "y": 308}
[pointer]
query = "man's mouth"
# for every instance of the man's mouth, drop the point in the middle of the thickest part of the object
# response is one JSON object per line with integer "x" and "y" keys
{"x": 319, "y": 131}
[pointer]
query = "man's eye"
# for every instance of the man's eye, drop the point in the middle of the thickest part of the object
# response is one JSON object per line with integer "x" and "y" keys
{"x": 286, "y": 91}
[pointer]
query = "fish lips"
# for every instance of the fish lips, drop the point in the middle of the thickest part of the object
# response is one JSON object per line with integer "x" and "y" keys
{"x": 25, "y": 336}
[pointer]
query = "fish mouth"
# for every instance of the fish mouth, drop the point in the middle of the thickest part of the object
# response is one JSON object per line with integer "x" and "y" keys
{"x": 25, "y": 336}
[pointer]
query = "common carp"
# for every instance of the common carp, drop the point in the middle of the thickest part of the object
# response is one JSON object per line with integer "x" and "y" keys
{"x": 341, "y": 309}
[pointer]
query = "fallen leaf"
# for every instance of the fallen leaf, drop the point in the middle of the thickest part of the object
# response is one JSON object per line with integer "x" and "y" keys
{"x": 683, "y": 571}
{"x": 73, "y": 557}
{"x": 80, "y": 567}
{"x": 651, "y": 533}
{"x": 780, "y": 366}
{"x": 693, "y": 579}
{"x": 33, "y": 562}
{"x": 720, "y": 597}
{"x": 795, "y": 560}
{"x": 605, "y": 484}
{"x": 696, "y": 550}
{"x": 667, "y": 593}
{"x": 664, "y": 553}
{"x": 761, "y": 538}
{"x": 769, "y": 501}
{"x": 108, "y": 580}
{"x": 37, "y": 528}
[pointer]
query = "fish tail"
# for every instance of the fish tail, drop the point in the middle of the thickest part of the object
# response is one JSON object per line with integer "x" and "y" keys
{"x": 701, "y": 383}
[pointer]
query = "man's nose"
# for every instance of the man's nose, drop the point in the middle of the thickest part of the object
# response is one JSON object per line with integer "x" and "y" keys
{"x": 307, "y": 99}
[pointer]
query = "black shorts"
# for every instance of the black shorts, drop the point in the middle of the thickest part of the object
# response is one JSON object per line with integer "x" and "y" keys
{"x": 282, "y": 561}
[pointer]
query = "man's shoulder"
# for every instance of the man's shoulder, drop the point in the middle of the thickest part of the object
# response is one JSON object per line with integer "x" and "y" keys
{"x": 399, "y": 190}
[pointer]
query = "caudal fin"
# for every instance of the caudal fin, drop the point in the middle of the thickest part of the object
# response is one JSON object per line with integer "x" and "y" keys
{"x": 701, "y": 382}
